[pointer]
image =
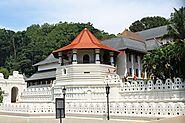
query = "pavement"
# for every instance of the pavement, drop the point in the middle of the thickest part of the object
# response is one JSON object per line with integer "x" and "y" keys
{"x": 20, "y": 119}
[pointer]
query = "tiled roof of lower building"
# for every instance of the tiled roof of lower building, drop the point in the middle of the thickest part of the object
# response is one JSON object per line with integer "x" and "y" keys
{"x": 43, "y": 75}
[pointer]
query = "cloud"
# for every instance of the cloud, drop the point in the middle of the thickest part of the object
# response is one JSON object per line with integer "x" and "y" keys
{"x": 109, "y": 15}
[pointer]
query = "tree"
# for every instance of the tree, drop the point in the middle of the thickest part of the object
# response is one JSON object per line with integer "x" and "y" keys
{"x": 148, "y": 23}
{"x": 4, "y": 71}
{"x": 164, "y": 63}
{"x": 5, "y": 45}
{"x": 168, "y": 61}
{"x": 1, "y": 95}
{"x": 176, "y": 28}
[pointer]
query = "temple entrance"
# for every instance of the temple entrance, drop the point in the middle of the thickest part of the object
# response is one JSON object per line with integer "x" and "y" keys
{"x": 14, "y": 93}
{"x": 86, "y": 59}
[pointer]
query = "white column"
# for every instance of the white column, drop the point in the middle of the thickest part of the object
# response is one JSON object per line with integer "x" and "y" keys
{"x": 139, "y": 66}
{"x": 97, "y": 57}
{"x": 145, "y": 74}
{"x": 74, "y": 61}
{"x": 125, "y": 66}
{"x": 132, "y": 64}
{"x": 60, "y": 58}
{"x": 112, "y": 58}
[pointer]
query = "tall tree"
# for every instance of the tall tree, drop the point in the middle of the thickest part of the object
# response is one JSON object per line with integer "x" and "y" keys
{"x": 177, "y": 24}
{"x": 148, "y": 23}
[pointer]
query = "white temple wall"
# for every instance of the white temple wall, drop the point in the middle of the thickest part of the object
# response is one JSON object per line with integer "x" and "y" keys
{"x": 12, "y": 87}
{"x": 127, "y": 99}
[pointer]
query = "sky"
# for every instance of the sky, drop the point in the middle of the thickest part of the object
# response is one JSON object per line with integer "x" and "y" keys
{"x": 112, "y": 16}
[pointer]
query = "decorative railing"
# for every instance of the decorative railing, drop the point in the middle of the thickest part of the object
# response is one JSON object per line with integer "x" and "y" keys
{"x": 37, "y": 94}
{"x": 128, "y": 109}
{"x": 27, "y": 107}
{"x": 149, "y": 85}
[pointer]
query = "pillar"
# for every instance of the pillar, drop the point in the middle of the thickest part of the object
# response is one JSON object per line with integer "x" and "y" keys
{"x": 125, "y": 65}
{"x": 132, "y": 64}
{"x": 60, "y": 58}
{"x": 145, "y": 74}
{"x": 74, "y": 61}
{"x": 139, "y": 66}
{"x": 112, "y": 58}
{"x": 97, "y": 56}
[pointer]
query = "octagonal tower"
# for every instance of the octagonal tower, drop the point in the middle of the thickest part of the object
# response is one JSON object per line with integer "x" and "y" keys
{"x": 85, "y": 61}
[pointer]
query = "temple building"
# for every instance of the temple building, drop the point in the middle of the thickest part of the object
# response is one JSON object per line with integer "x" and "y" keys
{"x": 133, "y": 48}
{"x": 84, "y": 68}
{"x": 45, "y": 74}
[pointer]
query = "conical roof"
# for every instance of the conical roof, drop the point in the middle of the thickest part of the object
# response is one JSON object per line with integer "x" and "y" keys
{"x": 85, "y": 40}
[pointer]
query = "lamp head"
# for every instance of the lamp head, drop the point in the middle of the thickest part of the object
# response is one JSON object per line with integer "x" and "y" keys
{"x": 107, "y": 89}
{"x": 64, "y": 90}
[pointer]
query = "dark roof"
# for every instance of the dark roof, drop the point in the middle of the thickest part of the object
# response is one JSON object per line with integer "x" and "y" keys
{"x": 154, "y": 32}
{"x": 43, "y": 75}
{"x": 48, "y": 60}
{"x": 152, "y": 44}
{"x": 122, "y": 43}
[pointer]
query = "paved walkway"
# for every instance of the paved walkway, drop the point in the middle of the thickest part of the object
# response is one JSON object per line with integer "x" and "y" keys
{"x": 18, "y": 119}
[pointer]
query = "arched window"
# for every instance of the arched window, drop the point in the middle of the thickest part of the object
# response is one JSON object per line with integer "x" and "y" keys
{"x": 86, "y": 59}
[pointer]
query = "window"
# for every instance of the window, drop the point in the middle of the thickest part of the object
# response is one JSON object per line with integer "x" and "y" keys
{"x": 86, "y": 59}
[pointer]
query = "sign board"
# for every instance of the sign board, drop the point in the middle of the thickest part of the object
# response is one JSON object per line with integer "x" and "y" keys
{"x": 60, "y": 107}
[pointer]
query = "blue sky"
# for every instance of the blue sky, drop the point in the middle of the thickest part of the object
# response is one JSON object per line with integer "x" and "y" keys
{"x": 112, "y": 16}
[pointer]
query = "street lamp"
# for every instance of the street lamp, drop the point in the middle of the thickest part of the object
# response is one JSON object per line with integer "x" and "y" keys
{"x": 64, "y": 94}
{"x": 107, "y": 92}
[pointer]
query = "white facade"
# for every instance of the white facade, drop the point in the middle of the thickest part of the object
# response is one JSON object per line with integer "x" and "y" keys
{"x": 86, "y": 97}
{"x": 12, "y": 87}
{"x": 85, "y": 72}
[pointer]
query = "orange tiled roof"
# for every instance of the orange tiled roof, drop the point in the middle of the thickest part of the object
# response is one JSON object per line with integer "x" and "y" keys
{"x": 132, "y": 35}
{"x": 85, "y": 40}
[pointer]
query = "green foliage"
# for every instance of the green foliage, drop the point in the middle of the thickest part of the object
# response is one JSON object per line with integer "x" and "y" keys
{"x": 5, "y": 72}
{"x": 148, "y": 23}
{"x": 177, "y": 24}
{"x": 1, "y": 95}
{"x": 5, "y": 45}
{"x": 20, "y": 50}
{"x": 168, "y": 61}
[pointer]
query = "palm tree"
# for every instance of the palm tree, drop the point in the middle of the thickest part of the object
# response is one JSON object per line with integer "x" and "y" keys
{"x": 176, "y": 30}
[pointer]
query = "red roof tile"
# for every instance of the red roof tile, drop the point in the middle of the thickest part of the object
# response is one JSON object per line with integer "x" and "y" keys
{"x": 85, "y": 40}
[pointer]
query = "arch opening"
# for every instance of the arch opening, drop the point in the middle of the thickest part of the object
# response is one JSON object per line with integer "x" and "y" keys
{"x": 86, "y": 59}
{"x": 14, "y": 93}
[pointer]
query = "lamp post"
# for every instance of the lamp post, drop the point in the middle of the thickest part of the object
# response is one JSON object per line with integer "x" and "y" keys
{"x": 107, "y": 92}
{"x": 64, "y": 94}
